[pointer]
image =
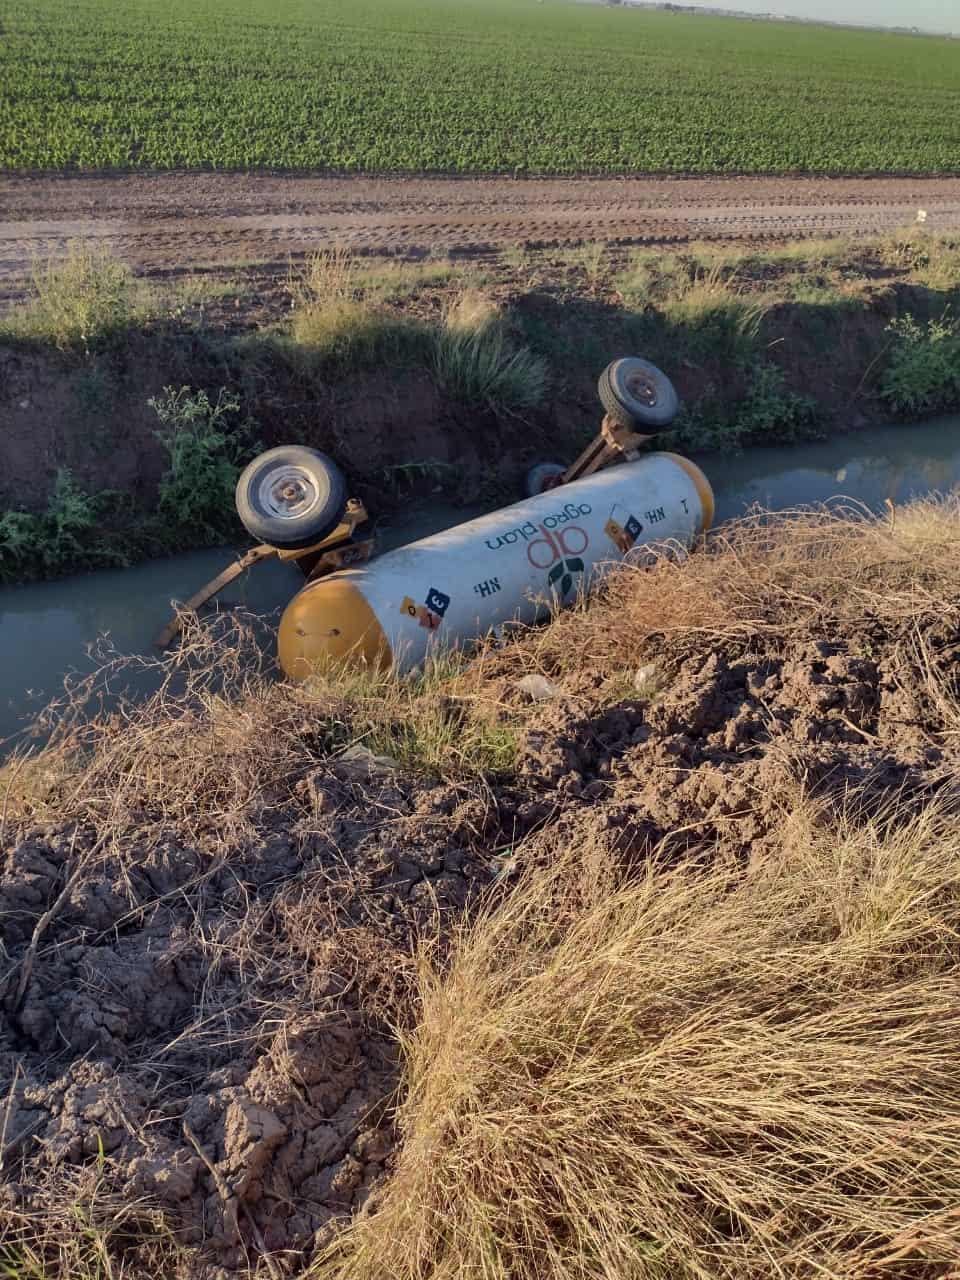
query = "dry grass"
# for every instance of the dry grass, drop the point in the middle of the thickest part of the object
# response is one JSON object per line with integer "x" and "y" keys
{"x": 695, "y": 1072}
{"x": 326, "y": 275}
{"x": 765, "y": 576}
{"x": 220, "y": 741}
{"x": 79, "y": 301}
{"x": 88, "y": 1231}
{"x": 204, "y": 746}
{"x": 701, "y": 1073}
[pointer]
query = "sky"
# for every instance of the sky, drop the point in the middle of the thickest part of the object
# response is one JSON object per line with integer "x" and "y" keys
{"x": 929, "y": 15}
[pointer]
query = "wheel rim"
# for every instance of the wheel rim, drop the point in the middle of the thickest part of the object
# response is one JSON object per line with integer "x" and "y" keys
{"x": 288, "y": 493}
{"x": 643, "y": 389}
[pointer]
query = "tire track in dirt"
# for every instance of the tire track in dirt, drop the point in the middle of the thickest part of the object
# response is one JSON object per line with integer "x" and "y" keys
{"x": 175, "y": 222}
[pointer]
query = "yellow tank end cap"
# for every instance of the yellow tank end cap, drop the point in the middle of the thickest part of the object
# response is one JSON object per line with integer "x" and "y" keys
{"x": 329, "y": 623}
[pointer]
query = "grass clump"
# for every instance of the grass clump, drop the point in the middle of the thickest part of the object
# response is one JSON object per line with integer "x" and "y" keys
{"x": 208, "y": 445}
{"x": 344, "y": 335}
{"x": 81, "y": 302}
{"x": 475, "y": 360}
{"x": 437, "y": 720}
{"x": 922, "y": 375}
{"x": 701, "y": 1071}
{"x": 337, "y": 324}
{"x": 716, "y": 319}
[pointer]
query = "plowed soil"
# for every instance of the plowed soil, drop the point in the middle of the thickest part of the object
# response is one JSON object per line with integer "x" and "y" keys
{"x": 197, "y": 1020}
{"x": 173, "y": 222}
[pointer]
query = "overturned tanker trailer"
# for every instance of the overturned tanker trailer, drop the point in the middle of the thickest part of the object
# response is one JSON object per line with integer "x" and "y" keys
{"x": 515, "y": 565}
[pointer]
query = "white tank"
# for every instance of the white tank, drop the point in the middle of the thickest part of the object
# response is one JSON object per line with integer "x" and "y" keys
{"x": 516, "y": 564}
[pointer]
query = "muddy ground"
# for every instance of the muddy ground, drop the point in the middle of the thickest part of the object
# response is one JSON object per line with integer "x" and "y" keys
{"x": 203, "y": 1021}
{"x": 172, "y": 223}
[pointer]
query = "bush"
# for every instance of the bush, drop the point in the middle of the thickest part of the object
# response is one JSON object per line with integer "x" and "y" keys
{"x": 80, "y": 302}
{"x": 208, "y": 447}
{"x": 57, "y": 540}
{"x": 769, "y": 413}
{"x": 923, "y": 373}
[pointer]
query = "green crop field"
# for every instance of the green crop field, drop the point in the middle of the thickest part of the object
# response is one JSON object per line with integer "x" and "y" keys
{"x": 524, "y": 86}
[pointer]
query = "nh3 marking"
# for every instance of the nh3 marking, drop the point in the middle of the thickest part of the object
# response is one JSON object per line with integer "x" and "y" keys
{"x": 488, "y": 588}
{"x": 658, "y": 513}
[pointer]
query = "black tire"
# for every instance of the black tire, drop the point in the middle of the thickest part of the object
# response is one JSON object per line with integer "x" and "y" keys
{"x": 636, "y": 394}
{"x": 534, "y": 481}
{"x": 291, "y": 497}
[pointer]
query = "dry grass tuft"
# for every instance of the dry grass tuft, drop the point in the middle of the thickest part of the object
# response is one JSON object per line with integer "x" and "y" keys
{"x": 767, "y": 576}
{"x": 475, "y": 359}
{"x": 326, "y": 275}
{"x": 79, "y": 301}
{"x": 88, "y": 1231}
{"x": 702, "y": 1072}
{"x": 220, "y": 741}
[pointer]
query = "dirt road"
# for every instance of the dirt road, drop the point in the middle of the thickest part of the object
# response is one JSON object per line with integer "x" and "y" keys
{"x": 167, "y": 223}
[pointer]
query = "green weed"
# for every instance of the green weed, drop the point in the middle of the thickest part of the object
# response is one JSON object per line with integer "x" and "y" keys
{"x": 771, "y": 411}
{"x": 63, "y": 537}
{"x": 768, "y": 412}
{"x": 922, "y": 375}
{"x": 208, "y": 445}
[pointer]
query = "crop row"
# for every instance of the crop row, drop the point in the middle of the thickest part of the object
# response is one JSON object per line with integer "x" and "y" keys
{"x": 463, "y": 85}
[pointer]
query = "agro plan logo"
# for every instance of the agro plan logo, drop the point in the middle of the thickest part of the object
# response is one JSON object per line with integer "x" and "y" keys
{"x": 555, "y": 545}
{"x": 559, "y": 551}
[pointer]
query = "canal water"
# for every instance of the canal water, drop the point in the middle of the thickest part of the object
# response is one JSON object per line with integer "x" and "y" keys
{"x": 47, "y": 629}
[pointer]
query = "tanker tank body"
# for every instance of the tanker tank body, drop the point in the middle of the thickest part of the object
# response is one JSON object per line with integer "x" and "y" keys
{"x": 516, "y": 564}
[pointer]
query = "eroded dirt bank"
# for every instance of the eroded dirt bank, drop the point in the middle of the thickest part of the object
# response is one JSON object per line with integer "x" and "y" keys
{"x": 206, "y": 946}
{"x": 177, "y": 221}
{"x": 751, "y": 364}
